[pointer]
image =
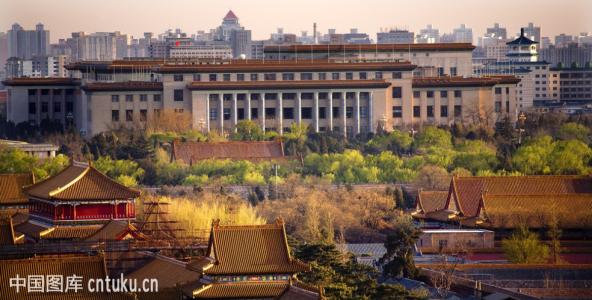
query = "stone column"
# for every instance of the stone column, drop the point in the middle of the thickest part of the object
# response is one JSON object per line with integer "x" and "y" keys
{"x": 330, "y": 110}
{"x": 221, "y": 113}
{"x": 38, "y": 110}
{"x": 315, "y": 112}
{"x": 280, "y": 114}
{"x": 343, "y": 112}
{"x": 234, "y": 112}
{"x": 115, "y": 210}
{"x": 262, "y": 108}
{"x": 63, "y": 108}
{"x": 371, "y": 112}
{"x": 248, "y": 105}
{"x": 208, "y": 112}
{"x": 357, "y": 114}
{"x": 299, "y": 108}
{"x": 50, "y": 105}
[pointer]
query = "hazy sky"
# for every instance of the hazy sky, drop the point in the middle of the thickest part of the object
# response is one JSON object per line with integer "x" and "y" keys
{"x": 134, "y": 17}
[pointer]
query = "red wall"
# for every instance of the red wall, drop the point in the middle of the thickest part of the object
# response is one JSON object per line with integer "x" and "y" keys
{"x": 94, "y": 211}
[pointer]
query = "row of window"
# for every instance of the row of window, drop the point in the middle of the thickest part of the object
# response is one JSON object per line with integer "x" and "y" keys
{"x": 129, "y": 115}
{"x": 430, "y": 94}
{"x": 398, "y": 111}
{"x": 57, "y": 107}
{"x": 143, "y": 98}
{"x": 288, "y": 113}
{"x": 290, "y": 76}
{"x": 288, "y": 96}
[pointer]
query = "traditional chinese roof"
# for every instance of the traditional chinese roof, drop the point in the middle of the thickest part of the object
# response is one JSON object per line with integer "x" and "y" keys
{"x": 431, "y": 201}
{"x": 161, "y": 268}
{"x": 190, "y": 152}
{"x": 7, "y": 234}
{"x": 11, "y": 188}
{"x": 39, "y": 231}
{"x": 116, "y": 230}
{"x": 256, "y": 249}
{"x": 86, "y": 266}
{"x": 80, "y": 182}
{"x": 241, "y": 290}
{"x": 466, "y": 192}
{"x": 522, "y": 40}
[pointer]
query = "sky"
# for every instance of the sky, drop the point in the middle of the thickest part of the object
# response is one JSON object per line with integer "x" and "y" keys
{"x": 62, "y": 17}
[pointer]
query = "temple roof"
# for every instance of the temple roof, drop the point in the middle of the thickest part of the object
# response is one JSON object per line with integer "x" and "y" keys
{"x": 431, "y": 201}
{"x": 161, "y": 267}
{"x": 116, "y": 230}
{"x": 11, "y": 188}
{"x": 256, "y": 249}
{"x": 190, "y": 152}
{"x": 80, "y": 182}
{"x": 522, "y": 40}
{"x": 7, "y": 234}
{"x": 86, "y": 266}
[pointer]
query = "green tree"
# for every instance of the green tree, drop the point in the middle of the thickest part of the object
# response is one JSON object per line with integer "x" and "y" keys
{"x": 524, "y": 247}
{"x": 533, "y": 157}
{"x": 296, "y": 140}
{"x": 247, "y": 130}
{"x": 570, "y": 157}
{"x": 433, "y": 137}
{"x": 574, "y": 131}
{"x": 127, "y": 172}
{"x": 400, "y": 245}
{"x": 475, "y": 155}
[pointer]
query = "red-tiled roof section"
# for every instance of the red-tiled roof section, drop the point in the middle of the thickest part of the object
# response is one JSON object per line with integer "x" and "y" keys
{"x": 190, "y": 152}
{"x": 230, "y": 16}
{"x": 162, "y": 268}
{"x": 123, "y": 86}
{"x": 68, "y": 265}
{"x": 80, "y": 182}
{"x": 286, "y": 66}
{"x": 370, "y": 47}
{"x": 431, "y": 201}
{"x": 258, "y": 249}
{"x": 263, "y": 85}
{"x": 7, "y": 234}
{"x": 445, "y": 81}
{"x": 11, "y": 188}
{"x": 469, "y": 190}
{"x": 242, "y": 290}
{"x": 41, "y": 81}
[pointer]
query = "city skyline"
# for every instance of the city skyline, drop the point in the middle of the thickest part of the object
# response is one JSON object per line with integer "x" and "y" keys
{"x": 293, "y": 17}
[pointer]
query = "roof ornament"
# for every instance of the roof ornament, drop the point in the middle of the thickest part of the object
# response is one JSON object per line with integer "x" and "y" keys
{"x": 215, "y": 223}
{"x": 280, "y": 221}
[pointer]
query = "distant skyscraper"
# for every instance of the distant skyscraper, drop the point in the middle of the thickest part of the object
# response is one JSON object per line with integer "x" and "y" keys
{"x": 463, "y": 34}
{"x": 27, "y": 44}
{"x": 563, "y": 40}
{"x": 229, "y": 23}
{"x": 533, "y": 32}
{"x": 240, "y": 42}
{"x": 545, "y": 42}
{"x": 497, "y": 32}
{"x": 428, "y": 35}
{"x": 98, "y": 46}
{"x": 3, "y": 53}
{"x": 395, "y": 36}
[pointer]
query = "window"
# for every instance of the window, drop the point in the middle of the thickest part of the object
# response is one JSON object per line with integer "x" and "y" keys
{"x": 335, "y": 76}
{"x": 213, "y": 114}
{"x": 254, "y": 113}
{"x": 498, "y": 91}
{"x": 143, "y": 98}
{"x": 115, "y": 116}
{"x": 430, "y": 94}
{"x": 306, "y": 113}
{"x": 430, "y": 111}
{"x": 306, "y": 76}
{"x": 288, "y": 113}
{"x": 397, "y": 111}
{"x": 363, "y": 75}
{"x": 241, "y": 97}
{"x": 416, "y": 94}
{"x": 453, "y": 71}
{"x": 288, "y": 96}
{"x": 349, "y": 76}
{"x": 226, "y": 77}
{"x": 269, "y": 76}
{"x": 240, "y": 113}
{"x": 363, "y": 112}
{"x": 416, "y": 111}
{"x": 397, "y": 75}
{"x": 457, "y": 111}
{"x": 114, "y": 98}
{"x": 498, "y": 106}
{"x": 378, "y": 75}
{"x": 307, "y": 96}
{"x": 44, "y": 107}
{"x": 254, "y": 96}
{"x": 444, "y": 111}
{"x": 443, "y": 94}
{"x": 213, "y": 77}
{"x": 335, "y": 112}
{"x": 178, "y": 95}
{"x": 254, "y": 77}
{"x": 157, "y": 98}
{"x": 270, "y": 113}
{"x": 287, "y": 76}
{"x": 143, "y": 115}
{"x": 397, "y": 92}
{"x": 457, "y": 94}
{"x": 322, "y": 112}
{"x": 32, "y": 108}
{"x": 129, "y": 98}
{"x": 196, "y": 77}
{"x": 57, "y": 107}
{"x": 178, "y": 77}
{"x": 322, "y": 76}
{"x": 129, "y": 115}
{"x": 349, "y": 112}
{"x": 226, "y": 112}
{"x": 240, "y": 77}
{"x": 440, "y": 71}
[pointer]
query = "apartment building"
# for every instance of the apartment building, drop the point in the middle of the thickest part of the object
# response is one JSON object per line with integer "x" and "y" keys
{"x": 350, "y": 98}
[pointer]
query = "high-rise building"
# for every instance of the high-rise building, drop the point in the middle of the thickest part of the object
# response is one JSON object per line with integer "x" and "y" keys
{"x": 428, "y": 35}
{"x": 395, "y": 36}
{"x": 463, "y": 34}
{"x": 532, "y": 32}
{"x": 229, "y": 23}
{"x": 563, "y": 40}
{"x": 240, "y": 42}
{"x": 3, "y": 53}
{"x": 567, "y": 56}
{"x": 497, "y": 32}
{"x": 27, "y": 44}
{"x": 98, "y": 46}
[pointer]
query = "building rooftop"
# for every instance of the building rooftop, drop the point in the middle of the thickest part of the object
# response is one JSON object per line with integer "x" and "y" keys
{"x": 270, "y": 85}
{"x": 11, "y": 188}
{"x": 28, "y": 147}
{"x": 41, "y": 81}
{"x": 431, "y": 201}
{"x": 447, "y": 81}
{"x": 123, "y": 86}
{"x": 368, "y": 47}
{"x": 522, "y": 40}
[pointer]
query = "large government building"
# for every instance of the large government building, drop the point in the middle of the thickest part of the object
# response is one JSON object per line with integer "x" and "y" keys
{"x": 345, "y": 96}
